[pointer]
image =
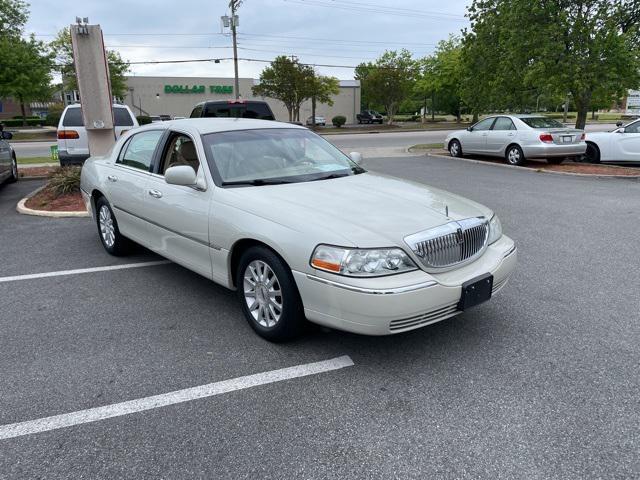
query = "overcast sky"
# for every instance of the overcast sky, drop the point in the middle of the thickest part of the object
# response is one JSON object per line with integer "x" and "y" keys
{"x": 330, "y": 32}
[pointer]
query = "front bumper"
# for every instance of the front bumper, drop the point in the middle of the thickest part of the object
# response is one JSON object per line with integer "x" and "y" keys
{"x": 554, "y": 150}
{"x": 398, "y": 303}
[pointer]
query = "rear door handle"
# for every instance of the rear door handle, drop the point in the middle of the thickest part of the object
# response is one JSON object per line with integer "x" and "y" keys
{"x": 112, "y": 178}
{"x": 155, "y": 193}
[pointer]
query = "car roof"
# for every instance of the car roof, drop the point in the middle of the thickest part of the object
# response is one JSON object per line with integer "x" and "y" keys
{"x": 217, "y": 124}
{"x": 77, "y": 105}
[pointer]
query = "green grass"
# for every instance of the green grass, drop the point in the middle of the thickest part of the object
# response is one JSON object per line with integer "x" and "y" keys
{"x": 32, "y": 160}
{"x": 426, "y": 146}
{"x": 48, "y": 136}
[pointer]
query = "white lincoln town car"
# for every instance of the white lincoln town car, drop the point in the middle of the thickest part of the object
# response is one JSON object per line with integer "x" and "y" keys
{"x": 298, "y": 228}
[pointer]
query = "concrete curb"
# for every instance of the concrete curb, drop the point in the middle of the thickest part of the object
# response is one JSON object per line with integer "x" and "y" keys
{"x": 536, "y": 170}
{"x": 24, "y": 210}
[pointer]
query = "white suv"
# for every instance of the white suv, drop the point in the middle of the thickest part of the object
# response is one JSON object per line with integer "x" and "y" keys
{"x": 73, "y": 145}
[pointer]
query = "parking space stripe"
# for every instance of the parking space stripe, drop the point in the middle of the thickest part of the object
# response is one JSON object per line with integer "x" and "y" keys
{"x": 179, "y": 396}
{"x": 78, "y": 271}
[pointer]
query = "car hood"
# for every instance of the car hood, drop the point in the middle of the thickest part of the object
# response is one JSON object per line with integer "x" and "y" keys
{"x": 369, "y": 209}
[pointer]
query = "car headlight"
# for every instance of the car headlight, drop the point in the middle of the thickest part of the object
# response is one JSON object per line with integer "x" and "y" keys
{"x": 495, "y": 229}
{"x": 361, "y": 262}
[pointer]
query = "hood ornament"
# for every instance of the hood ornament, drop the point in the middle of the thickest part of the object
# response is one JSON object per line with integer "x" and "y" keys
{"x": 446, "y": 210}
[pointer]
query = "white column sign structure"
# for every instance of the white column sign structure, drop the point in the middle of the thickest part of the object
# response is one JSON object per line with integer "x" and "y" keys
{"x": 633, "y": 102}
{"x": 94, "y": 86}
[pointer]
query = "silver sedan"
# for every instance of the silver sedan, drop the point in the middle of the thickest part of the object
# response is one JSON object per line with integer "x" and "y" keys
{"x": 518, "y": 137}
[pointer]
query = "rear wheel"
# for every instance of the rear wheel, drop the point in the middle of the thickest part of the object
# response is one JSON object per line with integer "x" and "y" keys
{"x": 592, "y": 155}
{"x": 514, "y": 155}
{"x": 14, "y": 169}
{"x": 269, "y": 296}
{"x": 112, "y": 240}
{"x": 455, "y": 149}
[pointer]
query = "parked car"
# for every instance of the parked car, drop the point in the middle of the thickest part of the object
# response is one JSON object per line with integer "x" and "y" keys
{"x": 233, "y": 109}
{"x": 155, "y": 118}
{"x": 369, "y": 116}
{"x": 73, "y": 144}
{"x": 8, "y": 162}
{"x": 621, "y": 145}
{"x": 518, "y": 137}
{"x": 320, "y": 120}
{"x": 298, "y": 228}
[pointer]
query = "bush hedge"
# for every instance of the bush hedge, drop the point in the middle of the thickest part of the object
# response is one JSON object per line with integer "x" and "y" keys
{"x": 31, "y": 122}
{"x": 65, "y": 180}
{"x": 143, "y": 119}
{"x": 339, "y": 120}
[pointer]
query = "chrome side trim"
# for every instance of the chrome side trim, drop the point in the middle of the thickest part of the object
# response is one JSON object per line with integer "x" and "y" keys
{"x": 374, "y": 291}
{"x": 513, "y": 249}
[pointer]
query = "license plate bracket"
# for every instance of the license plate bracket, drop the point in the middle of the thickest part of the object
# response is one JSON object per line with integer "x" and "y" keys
{"x": 476, "y": 291}
{"x": 567, "y": 139}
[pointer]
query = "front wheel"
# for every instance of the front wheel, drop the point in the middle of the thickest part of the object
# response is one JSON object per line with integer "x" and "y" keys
{"x": 592, "y": 155}
{"x": 269, "y": 296}
{"x": 514, "y": 155}
{"x": 455, "y": 149}
{"x": 112, "y": 240}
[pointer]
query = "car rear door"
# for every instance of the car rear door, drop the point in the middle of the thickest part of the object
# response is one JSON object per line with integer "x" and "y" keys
{"x": 475, "y": 141}
{"x": 127, "y": 180}
{"x": 5, "y": 158}
{"x": 500, "y": 136}
{"x": 627, "y": 143}
{"x": 178, "y": 215}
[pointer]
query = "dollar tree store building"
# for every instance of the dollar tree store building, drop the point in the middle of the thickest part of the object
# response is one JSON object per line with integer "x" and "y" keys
{"x": 176, "y": 96}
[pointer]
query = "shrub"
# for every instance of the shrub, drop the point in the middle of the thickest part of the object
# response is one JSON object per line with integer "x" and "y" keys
{"x": 339, "y": 120}
{"x": 54, "y": 114}
{"x": 31, "y": 122}
{"x": 19, "y": 117}
{"x": 143, "y": 119}
{"x": 65, "y": 180}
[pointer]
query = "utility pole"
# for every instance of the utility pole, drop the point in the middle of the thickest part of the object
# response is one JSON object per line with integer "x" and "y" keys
{"x": 233, "y": 23}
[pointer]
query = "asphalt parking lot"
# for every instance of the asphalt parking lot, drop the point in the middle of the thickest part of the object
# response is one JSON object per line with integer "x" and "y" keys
{"x": 541, "y": 382}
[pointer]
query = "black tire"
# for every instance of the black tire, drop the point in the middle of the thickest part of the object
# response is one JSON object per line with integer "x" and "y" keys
{"x": 455, "y": 149}
{"x": 112, "y": 240}
{"x": 555, "y": 160}
{"x": 14, "y": 170}
{"x": 359, "y": 121}
{"x": 291, "y": 321}
{"x": 514, "y": 155}
{"x": 592, "y": 155}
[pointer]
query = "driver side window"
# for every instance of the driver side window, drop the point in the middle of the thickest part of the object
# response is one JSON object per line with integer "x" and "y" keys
{"x": 180, "y": 150}
{"x": 483, "y": 125}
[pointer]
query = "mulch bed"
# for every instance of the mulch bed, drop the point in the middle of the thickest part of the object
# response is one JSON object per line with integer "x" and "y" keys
{"x": 567, "y": 167}
{"x": 25, "y": 172}
{"x": 45, "y": 199}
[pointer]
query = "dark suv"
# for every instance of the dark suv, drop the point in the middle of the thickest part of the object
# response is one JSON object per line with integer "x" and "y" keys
{"x": 234, "y": 109}
{"x": 369, "y": 116}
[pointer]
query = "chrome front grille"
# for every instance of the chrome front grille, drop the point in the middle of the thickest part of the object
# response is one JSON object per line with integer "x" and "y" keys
{"x": 424, "y": 319}
{"x": 452, "y": 243}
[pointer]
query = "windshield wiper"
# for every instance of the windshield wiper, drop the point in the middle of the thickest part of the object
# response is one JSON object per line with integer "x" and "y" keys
{"x": 329, "y": 176}
{"x": 255, "y": 182}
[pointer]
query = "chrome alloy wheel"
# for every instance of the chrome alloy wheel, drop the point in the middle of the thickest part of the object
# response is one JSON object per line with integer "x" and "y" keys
{"x": 454, "y": 149}
{"x": 107, "y": 230}
{"x": 514, "y": 156}
{"x": 262, "y": 293}
{"x": 14, "y": 168}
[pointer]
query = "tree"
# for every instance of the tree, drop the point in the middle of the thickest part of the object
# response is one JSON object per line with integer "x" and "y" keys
{"x": 580, "y": 48}
{"x": 320, "y": 90}
{"x": 63, "y": 51}
{"x": 25, "y": 72}
{"x": 287, "y": 80}
{"x": 13, "y": 16}
{"x": 389, "y": 80}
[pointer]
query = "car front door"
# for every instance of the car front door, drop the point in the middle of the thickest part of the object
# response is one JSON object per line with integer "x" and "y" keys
{"x": 500, "y": 136}
{"x": 627, "y": 143}
{"x": 5, "y": 159}
{"x": 475, "y": 140}
{"x": 126, "y": 182}
{"x": 178, "y": 215}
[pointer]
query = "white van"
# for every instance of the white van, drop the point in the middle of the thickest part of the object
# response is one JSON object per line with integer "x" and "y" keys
{"x": 73, "y": 145}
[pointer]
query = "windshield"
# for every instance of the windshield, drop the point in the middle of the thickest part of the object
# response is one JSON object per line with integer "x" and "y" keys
{"x": 542, "y": 122}
{"x": 266, "y": 156}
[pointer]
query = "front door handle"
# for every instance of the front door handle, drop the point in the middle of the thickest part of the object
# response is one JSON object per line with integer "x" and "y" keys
{"x": 511, "y": 134}
{"x": 155, "y": 193}
{"x": 112, "y": 178}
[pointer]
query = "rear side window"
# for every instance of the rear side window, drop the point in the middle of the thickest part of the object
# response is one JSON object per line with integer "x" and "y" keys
{"x": 257, "y": 110}
{"x": 542, "y": 122}
{"x": 122, "y": 117}
{"x": 503, "y": 123}
{"x": 73, "y": 118}
{"x": 197, "y": 112}
{"x": 138, "y": 152}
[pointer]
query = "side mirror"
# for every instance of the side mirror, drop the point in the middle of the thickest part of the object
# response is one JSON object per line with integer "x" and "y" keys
{"x": 619, "y": 130}
{"x": 7, "y": 135}
{"x": 180, "y": 175}
{"x": 356, "y": 157}
{"x": 469, "y": 129}
{"x": 618, "y": 123}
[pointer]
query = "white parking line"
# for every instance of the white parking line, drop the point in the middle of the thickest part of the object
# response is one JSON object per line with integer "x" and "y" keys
{"x": 77, "y": 271}
{"x": 171, "y": 398}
